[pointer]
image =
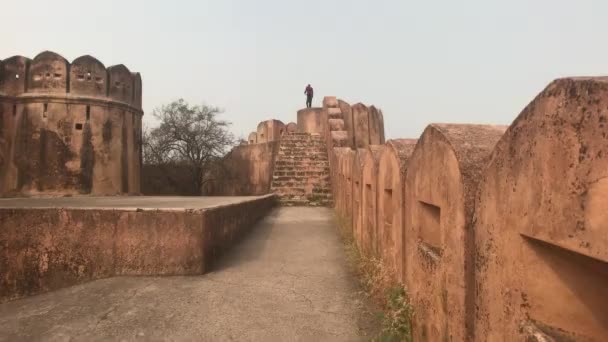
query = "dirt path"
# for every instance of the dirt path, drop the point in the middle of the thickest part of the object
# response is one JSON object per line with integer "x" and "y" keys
{"x": 287, "y": 281}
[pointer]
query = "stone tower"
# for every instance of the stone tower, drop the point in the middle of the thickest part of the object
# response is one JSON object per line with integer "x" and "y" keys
{"x": 69, "y": 128}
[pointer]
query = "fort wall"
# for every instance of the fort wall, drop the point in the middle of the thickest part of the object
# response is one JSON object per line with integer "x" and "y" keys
{"x": 245, "y": 171}
{"x": 503, "y": 231}
{"x": 69, "y": 128}
{"x": 51, "y": 248}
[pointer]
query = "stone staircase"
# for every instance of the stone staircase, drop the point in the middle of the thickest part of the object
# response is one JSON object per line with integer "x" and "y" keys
{"x": 301, "y": 171}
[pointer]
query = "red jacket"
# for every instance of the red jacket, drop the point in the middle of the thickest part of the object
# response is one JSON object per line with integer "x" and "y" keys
{"x": 308, "y": 91}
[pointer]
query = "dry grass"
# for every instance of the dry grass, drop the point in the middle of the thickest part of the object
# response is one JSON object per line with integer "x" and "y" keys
{"x": 380, "y": 286}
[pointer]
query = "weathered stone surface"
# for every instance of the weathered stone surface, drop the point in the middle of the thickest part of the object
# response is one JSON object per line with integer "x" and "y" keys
{"x": 301, "y": 174}
{"x": 54, "y": 243}
{"x": 252, "y": 138}
{"x": 13, "y": 75}
{"x": 310, "y": 120}
{"x": 120, "y": 82}
{"x": 376, "y": 131}
{"x": 369, "y": 197}
{"x": 349, "y": 190}
{"x": 244, "y": 297}
{"x": 361, "y": 125}
{"x": 339, "y": 139}
{"x": 330, "y": 102}
{"x": 357, "y": 186}
{"x": 245, "y": 171}
{"x": 270, "y": 130}
{"x": 69, "y": 132}
{"x": 292, "y": 127}
{"x": 336, "y": 124}
{"x": 338, "y": 177}
{"x": 334, "y": 113}
{"x": 381, "y": 124}
{"x": 48, "y": 73}
{"x": 391, "y": 173}
{"x": 88, "y": 76}
{"x": 440, "y": 184}
{"x": 347, "y": 116}
{"x": 541, "y": 222}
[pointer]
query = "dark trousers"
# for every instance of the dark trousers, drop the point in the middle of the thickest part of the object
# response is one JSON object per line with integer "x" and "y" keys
{"x": 308, "y": 101}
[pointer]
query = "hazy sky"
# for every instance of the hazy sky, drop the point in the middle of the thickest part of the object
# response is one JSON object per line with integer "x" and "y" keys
{"x": 472, "y": 61}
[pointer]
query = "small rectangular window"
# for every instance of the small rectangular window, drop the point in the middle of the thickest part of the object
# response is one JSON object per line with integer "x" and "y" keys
{"x": 14, "y": 109}
{"x": 45, "y": 110}
{"x": 79, "y": 126}
{"x": 88, "y": 115}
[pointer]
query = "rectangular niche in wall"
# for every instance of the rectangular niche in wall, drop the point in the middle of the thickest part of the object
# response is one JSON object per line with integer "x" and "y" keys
{"x": 388, "y": 208}
{"x": 580, "y": 278}
{"x": 429, "y": 223}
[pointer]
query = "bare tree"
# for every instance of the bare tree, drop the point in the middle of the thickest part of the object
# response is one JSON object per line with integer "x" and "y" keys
{"x": 192, "y": 136}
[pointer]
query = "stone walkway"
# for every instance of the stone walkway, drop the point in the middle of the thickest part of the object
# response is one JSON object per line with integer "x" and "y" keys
{"x": 287, "y": 281}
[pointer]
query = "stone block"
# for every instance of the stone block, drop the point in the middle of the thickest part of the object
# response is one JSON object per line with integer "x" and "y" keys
{"x": 369, "y": 197}
{"x": 310, "y": 120}
{"x": 391, "y": 173}
{"x": 292, "y": 127}
{"x": 339, "y": 139}
{"x": 541, "y": 220}
{"x": 361, "y": 125}
{"x": 336, "y": 125}
{"x": 330, "y": 102}
{"x": 347, "y": 116}
{"x": 440, "y": 186}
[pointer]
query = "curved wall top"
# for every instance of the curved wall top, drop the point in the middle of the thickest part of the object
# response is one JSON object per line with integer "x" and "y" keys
{"x": 137, "y": 90}
{"x": 120, "y": 83}
{"x": 13, "y": 73}
{"x": 50, "y": 73}
{"x": 88, "y": 76}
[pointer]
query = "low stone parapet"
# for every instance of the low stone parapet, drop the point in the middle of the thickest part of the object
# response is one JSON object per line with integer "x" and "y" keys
{"x": 46, "y": 244}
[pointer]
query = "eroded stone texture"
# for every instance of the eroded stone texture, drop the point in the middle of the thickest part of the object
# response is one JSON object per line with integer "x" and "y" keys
{"x": 252, "y": 138}
{"x": 301, "y": 175}
{"x": 347, "y": 116}
{"x": 440, "y": 184}
{"x": 361, "y": 125}
{"x": 338, "y": 178}
{"x": 357, "y": 186}
{"x": 369, "y": 197}
{"x": 71, "y": 129}
{"x": 291, "y": 127}
{"x": 391, "y": 173}
{"x": 347, "y": 191}
{"x": 120, "y": 82}
{"x": 381, "y": 124}
{"x": 49, "y": 247}
{"x": 376, "y": 131}
{"x": 336, "y": 124}
{"x": 48, "y": 73}
{"x": 310, "y": 120}
{"x": 339, "y": 139}
{"x": 13, "y": 75}
{"x": 270, "y": 130}
{"x": 245, "y": 171}
{"x": 330, "y": 102}
{"x": 89, "y": 77}
{"x": 541, "y": 222}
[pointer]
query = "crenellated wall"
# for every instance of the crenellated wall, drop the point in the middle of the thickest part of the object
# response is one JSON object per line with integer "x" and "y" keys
{"x": 69, "y": 128}
{"x": 497, "y": 236}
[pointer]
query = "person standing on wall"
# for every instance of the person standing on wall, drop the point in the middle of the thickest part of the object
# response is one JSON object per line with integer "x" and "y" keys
{"x": 309, "y": 93}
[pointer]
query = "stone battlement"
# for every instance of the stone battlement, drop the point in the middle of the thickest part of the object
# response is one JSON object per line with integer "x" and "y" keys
{"x": 69, "y": 128}
{"x": 49, "y": 75}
